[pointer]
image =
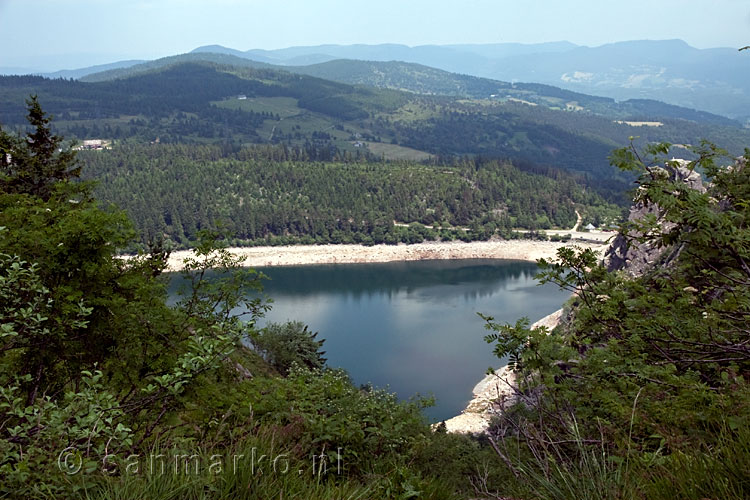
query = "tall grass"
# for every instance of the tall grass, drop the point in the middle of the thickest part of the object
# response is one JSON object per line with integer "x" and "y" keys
{"x": 259, "y": 467}
{"x": 720, "y": 471}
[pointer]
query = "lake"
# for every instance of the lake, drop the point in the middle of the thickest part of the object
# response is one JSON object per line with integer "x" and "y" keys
{"x": 411, "y": 327}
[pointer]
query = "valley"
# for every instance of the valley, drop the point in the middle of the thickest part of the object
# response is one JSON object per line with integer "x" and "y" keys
{"x": 278, "y": 273}
{"x": 424, "y": 117}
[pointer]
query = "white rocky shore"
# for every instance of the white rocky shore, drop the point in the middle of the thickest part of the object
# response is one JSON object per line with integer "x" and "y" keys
{"x": 495, "y": 392}
{"x": 346, "y": 254}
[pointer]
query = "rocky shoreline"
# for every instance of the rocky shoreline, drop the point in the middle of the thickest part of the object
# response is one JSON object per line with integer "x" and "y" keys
{"x": 493, "y": 393}
{"x": 347, "y": 254}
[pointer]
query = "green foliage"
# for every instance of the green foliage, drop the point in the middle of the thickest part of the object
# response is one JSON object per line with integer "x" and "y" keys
{"x": 283, "y": 345}
{"x": 651, "y": 369}
{"x": 526, "y": 349}
{"x": 230, "y": 286}
{"x": 272, "y": 196}
{"x": 331, "y": 412}
{"x": 98, "y": 372}
{"x": 50, "y": 439}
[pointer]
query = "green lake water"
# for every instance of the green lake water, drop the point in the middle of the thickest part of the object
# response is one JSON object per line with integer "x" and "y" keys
{"x": 411, "y": 327}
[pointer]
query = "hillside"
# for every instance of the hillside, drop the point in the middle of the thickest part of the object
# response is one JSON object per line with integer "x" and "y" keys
{"x": 422, "y": 79}
{"x": 713, "y": 80}
{"x": 271, "y": 195}
{"x": 148, "y": 66}
{"x": 235, "y": 101}
{"x": 425, "y": 80}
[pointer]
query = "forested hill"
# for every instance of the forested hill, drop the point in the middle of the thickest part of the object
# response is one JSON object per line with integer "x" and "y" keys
{"x": 421, "y": 79}
{"x": 206, "y": 102}
{"x": 276, "y": 195}
{"x": 672, "y": 71}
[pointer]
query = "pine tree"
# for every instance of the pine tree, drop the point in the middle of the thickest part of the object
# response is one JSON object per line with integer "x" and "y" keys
{"x": 36, "y": 164}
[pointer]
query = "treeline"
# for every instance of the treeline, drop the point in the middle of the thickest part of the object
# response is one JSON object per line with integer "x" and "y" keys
{"x": 507, "y": 135}
{"x": 189, "y": 88}
{"x": 185, "y": 103}
{"x": 578, "y": 141}
{"x": 278, "y": 195}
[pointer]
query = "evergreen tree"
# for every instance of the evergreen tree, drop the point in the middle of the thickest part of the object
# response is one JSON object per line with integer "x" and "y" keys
{"x": 35, "y": 164}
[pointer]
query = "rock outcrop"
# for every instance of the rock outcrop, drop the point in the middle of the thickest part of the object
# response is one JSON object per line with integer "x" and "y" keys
{"x": 499, "y": 391}
{"x": 493, "y": 394}
{"x": 634, "y": 257}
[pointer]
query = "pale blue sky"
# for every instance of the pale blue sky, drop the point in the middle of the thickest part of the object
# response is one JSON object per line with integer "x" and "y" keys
{"x": 56, "y": 34}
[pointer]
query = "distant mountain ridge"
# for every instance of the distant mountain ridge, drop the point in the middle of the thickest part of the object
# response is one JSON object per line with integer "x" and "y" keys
{"x": 81, "y": 72}
{"x": 715, "y": 80}
{"x": 454, "y": 58}
{"x": 420, "y": 79}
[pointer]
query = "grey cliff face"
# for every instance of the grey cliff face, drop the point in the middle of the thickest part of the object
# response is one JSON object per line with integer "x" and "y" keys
{"x": 634, "y": 257}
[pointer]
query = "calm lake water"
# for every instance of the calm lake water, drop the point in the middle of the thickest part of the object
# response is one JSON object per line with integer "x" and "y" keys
{"x": 411, "y": 327}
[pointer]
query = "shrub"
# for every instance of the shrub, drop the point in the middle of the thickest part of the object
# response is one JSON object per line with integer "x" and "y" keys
{"x": 283, "y": 345}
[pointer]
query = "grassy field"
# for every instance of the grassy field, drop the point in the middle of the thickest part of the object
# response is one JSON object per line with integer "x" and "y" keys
{"x": 396, "y": 152}
{"x": 299, "y": 123}
{"x": 285, "y": 107}
{"x": 415, "y": 111}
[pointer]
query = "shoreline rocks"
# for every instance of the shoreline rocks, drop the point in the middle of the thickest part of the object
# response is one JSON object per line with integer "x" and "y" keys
{"x": 351, "y": 254}
{"x": 493, "y": 393}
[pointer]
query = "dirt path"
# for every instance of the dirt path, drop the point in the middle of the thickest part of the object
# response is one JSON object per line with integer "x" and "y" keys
{"x": 578, "y": 222}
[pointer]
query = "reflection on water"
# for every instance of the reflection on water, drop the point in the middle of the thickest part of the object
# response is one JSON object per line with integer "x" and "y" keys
{"x": 478, "y": 277}
{"x": 410, "y": 326}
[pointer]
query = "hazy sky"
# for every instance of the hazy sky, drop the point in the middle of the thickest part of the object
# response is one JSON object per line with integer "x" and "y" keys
{"x": 56, "y": 34}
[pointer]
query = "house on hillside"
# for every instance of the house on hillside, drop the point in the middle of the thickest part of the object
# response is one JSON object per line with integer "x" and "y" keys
{"x": 95, "y": 144}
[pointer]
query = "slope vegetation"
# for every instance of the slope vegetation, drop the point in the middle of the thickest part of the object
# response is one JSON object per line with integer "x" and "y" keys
{"x": 206, "y": 101}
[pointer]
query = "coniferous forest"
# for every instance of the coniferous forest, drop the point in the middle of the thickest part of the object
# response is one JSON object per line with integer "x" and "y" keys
{"x": 274, "y": 195}
{"x": 110, "y": 390}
